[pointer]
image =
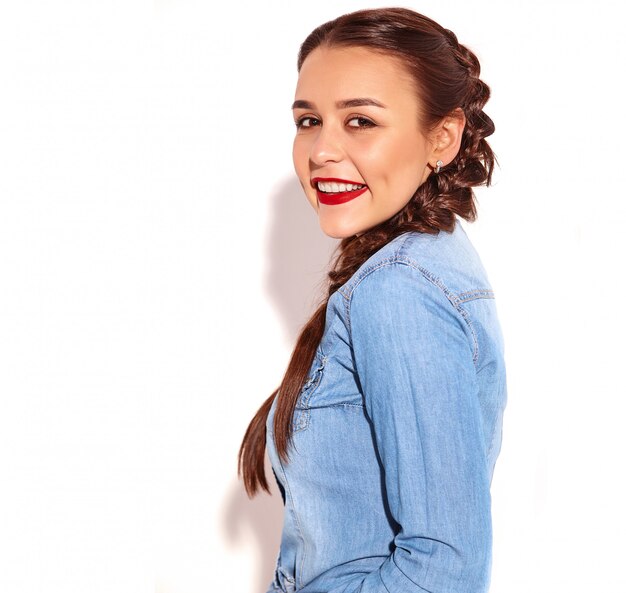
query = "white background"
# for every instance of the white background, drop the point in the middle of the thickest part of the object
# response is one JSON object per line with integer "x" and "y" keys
{"x": 157, "y": 258}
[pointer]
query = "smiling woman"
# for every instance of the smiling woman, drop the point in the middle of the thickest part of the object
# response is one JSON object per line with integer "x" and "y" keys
{"x": 357, "y": 115}
{"x": 384, "y": 432}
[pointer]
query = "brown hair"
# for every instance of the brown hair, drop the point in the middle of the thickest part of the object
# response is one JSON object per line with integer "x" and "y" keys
{"x": 446, "y": 76}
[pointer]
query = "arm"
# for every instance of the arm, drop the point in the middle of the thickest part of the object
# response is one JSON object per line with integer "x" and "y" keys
{"x": 413, "y": 352}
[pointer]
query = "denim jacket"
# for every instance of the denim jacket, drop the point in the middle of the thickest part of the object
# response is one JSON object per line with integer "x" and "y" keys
{"x": 397, "y": 429}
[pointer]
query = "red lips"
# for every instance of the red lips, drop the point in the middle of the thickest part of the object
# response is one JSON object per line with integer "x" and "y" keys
{"x": 337, "y": 197}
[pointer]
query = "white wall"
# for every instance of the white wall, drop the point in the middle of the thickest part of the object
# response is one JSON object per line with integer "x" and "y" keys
{"x": 157, "y": 259}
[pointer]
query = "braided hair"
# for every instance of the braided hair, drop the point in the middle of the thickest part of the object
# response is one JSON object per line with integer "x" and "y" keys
{"x": 446, "y": 76}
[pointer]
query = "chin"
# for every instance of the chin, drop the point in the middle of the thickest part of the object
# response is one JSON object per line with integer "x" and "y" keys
{"x": 339, "y": 231}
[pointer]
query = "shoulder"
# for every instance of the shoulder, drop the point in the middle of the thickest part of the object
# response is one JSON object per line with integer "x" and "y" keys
{"x": 426, "y": 281}
{"x": 447, "y": 260}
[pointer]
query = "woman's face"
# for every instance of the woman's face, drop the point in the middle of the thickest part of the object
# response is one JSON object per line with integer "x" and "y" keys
{"x": 359, "y": 151}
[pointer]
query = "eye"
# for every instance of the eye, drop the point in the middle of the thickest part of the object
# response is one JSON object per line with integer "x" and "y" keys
{"x": 358, "y": 121}
{"x": 307, "y": 122}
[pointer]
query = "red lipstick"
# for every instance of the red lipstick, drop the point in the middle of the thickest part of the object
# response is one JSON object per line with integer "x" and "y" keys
{"x": 332, "y": 199}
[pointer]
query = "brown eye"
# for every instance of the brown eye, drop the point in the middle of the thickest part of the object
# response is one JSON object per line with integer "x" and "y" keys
{"x": 360, "y": 122}
{"x": 307, "y": 122}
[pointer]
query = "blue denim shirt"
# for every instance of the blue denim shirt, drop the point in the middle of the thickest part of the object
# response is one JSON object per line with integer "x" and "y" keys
{"x": 397, "y": 429}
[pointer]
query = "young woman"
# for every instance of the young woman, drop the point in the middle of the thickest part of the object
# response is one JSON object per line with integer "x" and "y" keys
{"x": 385, "y": 429}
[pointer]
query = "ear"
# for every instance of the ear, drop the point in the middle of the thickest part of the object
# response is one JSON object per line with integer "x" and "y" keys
{"x": 446, "y": 138}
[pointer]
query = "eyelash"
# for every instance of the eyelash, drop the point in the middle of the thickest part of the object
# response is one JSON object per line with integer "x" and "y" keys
{"x": 364, "y": 121}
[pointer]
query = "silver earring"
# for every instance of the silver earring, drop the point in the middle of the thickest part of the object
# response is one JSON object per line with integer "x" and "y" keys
{"x": 438, "y": 167}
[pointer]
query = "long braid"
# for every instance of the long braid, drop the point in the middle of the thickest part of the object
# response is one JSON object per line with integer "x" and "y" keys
{"x": 448, "y": 76}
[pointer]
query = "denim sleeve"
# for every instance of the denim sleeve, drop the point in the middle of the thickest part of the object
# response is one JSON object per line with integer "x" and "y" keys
{"x": 414, "y": 356}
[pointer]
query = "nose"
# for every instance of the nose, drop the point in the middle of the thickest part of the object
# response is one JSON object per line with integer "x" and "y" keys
{"x": 326, "y": 147}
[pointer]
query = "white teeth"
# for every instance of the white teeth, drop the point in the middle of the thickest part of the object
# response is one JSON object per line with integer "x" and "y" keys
{"x": 334, "y": 187}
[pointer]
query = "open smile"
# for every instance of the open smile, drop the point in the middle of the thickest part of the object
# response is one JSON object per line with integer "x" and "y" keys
{"x": 332, "y": 191}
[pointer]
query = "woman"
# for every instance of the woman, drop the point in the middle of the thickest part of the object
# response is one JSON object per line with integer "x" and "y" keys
{"x": 385, "y": 429}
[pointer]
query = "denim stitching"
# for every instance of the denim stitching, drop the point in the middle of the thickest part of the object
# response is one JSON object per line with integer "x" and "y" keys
{"x": 341, "y": 406}
{"x": 317, "y": 377}
{"x": 374, "y": 266}
{"x": 456, "y": 302}
{"x": 304, "y": 414}
{"x": 295, "y": 515}
{"x": 436, "y": 281}
{"x": 484, "y": 293}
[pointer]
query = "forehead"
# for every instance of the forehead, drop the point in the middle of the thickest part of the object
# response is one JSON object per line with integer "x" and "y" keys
{"x": 346, "y": 72}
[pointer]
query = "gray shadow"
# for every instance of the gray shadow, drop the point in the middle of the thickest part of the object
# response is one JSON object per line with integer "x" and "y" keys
{"x": 298, "y": 253}
{"x": 261, "y": 516}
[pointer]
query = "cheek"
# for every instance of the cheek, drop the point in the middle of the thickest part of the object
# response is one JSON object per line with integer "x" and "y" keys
{"x": 387, "y": 162}
{"x": 402, "y": 165}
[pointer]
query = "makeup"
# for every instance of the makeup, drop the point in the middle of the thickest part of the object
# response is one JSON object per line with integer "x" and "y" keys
{"x": 332, "y": 191}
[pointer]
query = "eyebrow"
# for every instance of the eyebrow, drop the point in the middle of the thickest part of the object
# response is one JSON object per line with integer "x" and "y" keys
{"x": 360, "y": 102}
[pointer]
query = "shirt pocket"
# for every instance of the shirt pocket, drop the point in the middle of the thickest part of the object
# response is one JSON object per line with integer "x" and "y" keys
{"x": 302, "y": 412}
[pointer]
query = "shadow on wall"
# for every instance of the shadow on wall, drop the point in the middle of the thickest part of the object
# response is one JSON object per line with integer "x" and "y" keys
{"x": 298, "y": 254}
{"x": 261, "y": 521}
